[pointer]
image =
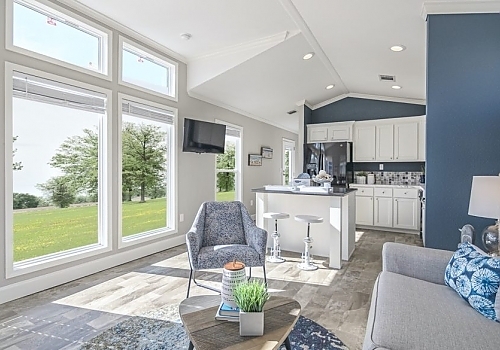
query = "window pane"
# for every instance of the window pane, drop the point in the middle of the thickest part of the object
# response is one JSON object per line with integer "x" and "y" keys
{"x": 144, "y": 175}
{"x": 286, "y": 170}
{"x": 226, "y": 181}
{"x": 55, "y": 178}
{"x": 49, "y": 36}
{"x": 142, "y": 71}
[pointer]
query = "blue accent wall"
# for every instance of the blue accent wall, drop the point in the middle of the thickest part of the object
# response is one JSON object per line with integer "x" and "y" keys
{"x": 463, "y": 119}
{"x": 356, "y": 109}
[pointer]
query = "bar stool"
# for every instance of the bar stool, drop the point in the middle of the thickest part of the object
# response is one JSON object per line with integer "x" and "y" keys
{"x": 306, "y": 263}
{"x": 275, "y": 256}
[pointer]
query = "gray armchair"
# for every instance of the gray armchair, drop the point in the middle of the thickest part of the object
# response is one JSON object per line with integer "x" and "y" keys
{"x": 222, "y": 232}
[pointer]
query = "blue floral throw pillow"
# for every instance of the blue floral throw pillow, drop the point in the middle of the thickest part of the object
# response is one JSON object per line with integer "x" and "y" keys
{"x": 476, "y": 278}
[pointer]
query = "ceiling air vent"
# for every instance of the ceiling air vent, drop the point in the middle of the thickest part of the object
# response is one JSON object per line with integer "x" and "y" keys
{"x": 292, "y": 112}
{"x": 383, "y": 77}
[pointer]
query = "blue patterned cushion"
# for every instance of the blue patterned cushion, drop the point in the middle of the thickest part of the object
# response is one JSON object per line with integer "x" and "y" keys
{"x": 476, "y": 278}
{"x": 223, "y": 224}
{"x": 217, "y": 256}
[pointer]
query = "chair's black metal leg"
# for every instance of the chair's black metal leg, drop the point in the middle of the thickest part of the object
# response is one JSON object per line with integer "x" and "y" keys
{"x": 287, "y": 344}
{"x": 249, "y": 273}
{"x": 264, "y": 269}
{"x": 189, "y": 283}
{"x": 203, "y": 285}
{"x": 191, "y": 346}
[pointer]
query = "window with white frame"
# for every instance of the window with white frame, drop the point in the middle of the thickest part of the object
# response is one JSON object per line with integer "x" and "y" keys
{"x": 228, "y": 167}
{"x": 145, "y": 70}
{"x": 147, "y": 169}
{"x": 56, "y": 136}
{"x": 54, "y": 35}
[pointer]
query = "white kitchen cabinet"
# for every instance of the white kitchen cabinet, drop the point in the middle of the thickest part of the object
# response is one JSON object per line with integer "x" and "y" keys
{"x": 339, "y": 132}
{"x": 317, "y": 134}
{"x": 384, "y": 142}
{"x": 364, "y": 210}
{"x": 364, "y": 143}
{"x": 421, "y": 139}
{"x": 330, "y": 132}
{"x": 382, "y": 211}
{"x": 406, "y": 141}
{"x": 406, "y": 213}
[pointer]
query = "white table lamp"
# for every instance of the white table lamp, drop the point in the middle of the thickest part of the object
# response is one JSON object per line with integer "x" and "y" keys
{"x": 485, "y": 202}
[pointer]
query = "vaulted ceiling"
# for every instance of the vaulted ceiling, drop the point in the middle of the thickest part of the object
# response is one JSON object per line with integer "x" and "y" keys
{"x": 246, "y": 55}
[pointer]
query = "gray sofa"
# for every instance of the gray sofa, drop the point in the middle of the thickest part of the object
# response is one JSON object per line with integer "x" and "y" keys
{"x": 412, "y": 308}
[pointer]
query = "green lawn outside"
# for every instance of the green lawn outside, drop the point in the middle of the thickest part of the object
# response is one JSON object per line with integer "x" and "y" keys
{"x": 45, "y": 231}
{"x": 224, "y": 196}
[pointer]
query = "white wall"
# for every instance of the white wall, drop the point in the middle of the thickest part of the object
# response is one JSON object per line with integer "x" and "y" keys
{"x": 196, "y": 173}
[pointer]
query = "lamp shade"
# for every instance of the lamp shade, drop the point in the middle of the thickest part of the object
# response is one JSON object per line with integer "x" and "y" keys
{"x": 485, "y": 197}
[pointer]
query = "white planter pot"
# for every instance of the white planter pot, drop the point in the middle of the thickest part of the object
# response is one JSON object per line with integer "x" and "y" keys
{"x": 251, "y": 324}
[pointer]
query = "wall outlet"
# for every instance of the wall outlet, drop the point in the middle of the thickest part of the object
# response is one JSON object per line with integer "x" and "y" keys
{"x": 181, "y": 217}
{"x": 381, "y": 166}
{"x": 251, "y": 202}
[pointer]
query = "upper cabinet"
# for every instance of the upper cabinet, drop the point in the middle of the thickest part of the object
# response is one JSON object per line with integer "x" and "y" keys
{"x": 364, "y": 143}
{"x": 391, "y": 140}
{"x": 381, "y": 140}
{"x": 329, "y": 132}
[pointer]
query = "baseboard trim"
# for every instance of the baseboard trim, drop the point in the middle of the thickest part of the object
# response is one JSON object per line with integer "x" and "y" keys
{"x": 43, "y": 282}
{"x": 387, "y": 229}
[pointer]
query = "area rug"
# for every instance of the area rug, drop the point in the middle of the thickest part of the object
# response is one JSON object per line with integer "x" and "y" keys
{"x": 142, "y": 333}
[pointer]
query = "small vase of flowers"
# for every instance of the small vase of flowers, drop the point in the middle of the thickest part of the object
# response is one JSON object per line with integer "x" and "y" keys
{"x": 250, "y": 297}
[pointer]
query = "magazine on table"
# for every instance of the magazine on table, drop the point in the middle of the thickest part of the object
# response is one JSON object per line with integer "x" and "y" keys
{"x": 227, "y": 313}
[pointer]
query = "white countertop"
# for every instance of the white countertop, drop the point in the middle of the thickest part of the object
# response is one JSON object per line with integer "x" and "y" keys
{"x": 419, "y": 187}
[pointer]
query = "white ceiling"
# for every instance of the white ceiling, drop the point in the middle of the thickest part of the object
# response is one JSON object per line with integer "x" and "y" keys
{"x": 351, "y": 39}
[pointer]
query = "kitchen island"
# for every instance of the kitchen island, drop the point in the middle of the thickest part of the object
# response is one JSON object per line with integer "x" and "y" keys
{"x": 333, "y": 238}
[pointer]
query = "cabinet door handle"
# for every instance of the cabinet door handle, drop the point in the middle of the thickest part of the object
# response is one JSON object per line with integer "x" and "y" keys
{"x": 396, "y": 200}
{"x": 406, "y": 192}
{"x": 390, "y": 157}
{"x": 383, "y": 192}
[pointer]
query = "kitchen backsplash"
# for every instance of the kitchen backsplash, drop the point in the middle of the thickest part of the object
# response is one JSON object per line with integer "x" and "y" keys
{"x": 394, "y": 177}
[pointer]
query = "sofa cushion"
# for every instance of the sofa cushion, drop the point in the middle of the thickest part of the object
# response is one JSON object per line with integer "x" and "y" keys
{"x": 475, "y": 276}
{"x": 408, "y": 313}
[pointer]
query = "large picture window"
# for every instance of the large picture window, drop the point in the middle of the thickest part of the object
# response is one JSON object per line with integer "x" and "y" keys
{"x": 57, "y": 145}
{"x": 56, "y": 36}
{"x": 147, "y": 162}
{"x": 143, "y": 70}
{"x": 228, "y": 167}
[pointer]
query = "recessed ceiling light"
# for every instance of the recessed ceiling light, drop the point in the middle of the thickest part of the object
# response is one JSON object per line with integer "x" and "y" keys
{"x": 330, "y": 87}
{"x": 186, "y": 36}
{"x": 396, "y": 87}
{"x": 398, "y": 48}
{"x": 308, "y": 56}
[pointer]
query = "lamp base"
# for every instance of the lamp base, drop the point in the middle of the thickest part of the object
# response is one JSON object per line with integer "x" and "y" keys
{"x": 491, "y": 239}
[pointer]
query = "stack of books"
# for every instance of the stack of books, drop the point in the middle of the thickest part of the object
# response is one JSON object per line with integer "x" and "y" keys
{"x": 227, "y": 313}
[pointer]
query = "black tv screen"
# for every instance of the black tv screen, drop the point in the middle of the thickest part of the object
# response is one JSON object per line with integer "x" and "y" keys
{"x": 203, "y": 137}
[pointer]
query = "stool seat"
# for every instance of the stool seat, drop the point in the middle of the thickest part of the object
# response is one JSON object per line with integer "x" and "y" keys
{"x": 310, "y": 219}
{"x": 276, "y": 216}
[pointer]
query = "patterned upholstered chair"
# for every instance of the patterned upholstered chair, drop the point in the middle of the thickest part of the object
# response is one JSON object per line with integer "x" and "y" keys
{"x": 222, "y": 232}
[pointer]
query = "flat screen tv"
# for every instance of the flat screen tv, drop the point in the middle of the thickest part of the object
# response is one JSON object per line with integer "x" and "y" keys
{"x": 203, "y": 137}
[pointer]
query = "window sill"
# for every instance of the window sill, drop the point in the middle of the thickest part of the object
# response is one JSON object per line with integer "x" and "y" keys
{"x": 36, "y": 264}
{"x": 139, "y": 238}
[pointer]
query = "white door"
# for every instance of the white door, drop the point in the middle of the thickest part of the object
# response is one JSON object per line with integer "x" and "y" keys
{"x": 406, "y": 213}
{"x": 288, "y": 161}
{"x": 385, "y": 142}
{"x": 364, "y": 143}
{"x": 406, "y": 141}
{"x": 364, "y": 210}
{"x": 383, "y": 211}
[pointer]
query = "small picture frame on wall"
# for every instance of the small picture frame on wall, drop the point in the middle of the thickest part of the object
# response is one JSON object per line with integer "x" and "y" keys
{"x": 266, "y": 152}
{"x": 254, "y": 160}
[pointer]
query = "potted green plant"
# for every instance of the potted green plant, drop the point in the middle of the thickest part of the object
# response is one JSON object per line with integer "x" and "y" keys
{"x": 250, "y": 297}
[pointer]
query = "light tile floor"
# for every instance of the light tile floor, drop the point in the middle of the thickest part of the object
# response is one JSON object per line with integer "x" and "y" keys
{"x": 65, "y": 317}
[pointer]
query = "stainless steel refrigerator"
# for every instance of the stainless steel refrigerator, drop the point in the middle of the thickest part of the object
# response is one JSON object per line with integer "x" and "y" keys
{"x": 333, "y": 157}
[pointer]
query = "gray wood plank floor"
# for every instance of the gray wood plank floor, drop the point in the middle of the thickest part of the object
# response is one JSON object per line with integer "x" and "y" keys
{"x": 66, "y": 316}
